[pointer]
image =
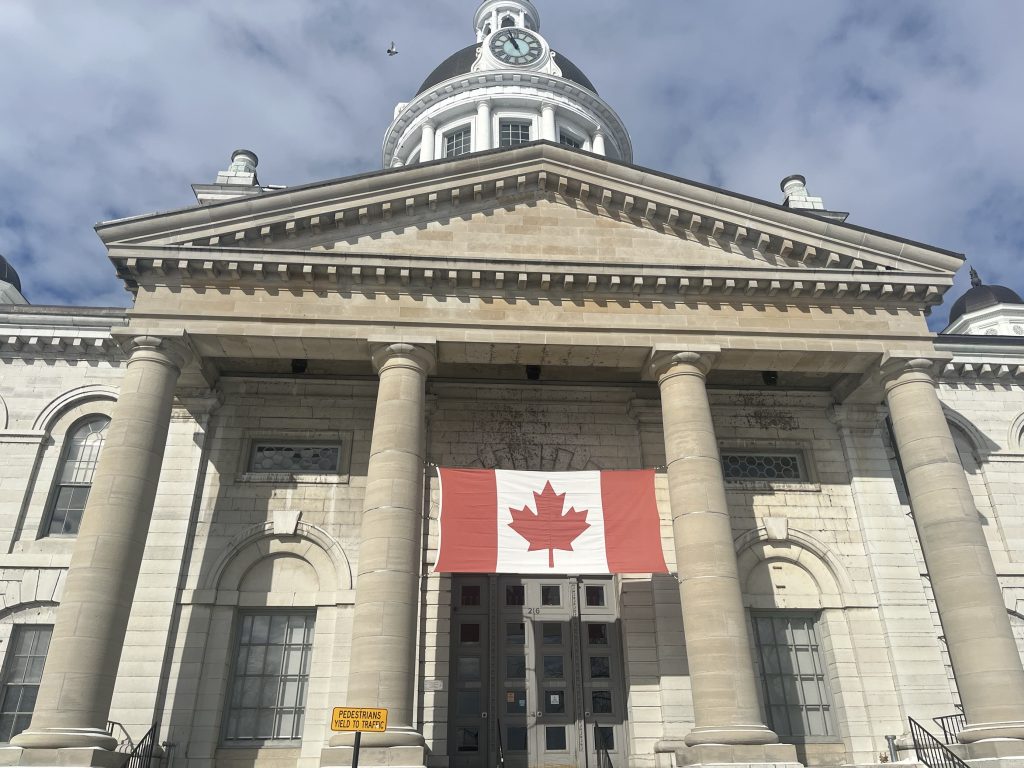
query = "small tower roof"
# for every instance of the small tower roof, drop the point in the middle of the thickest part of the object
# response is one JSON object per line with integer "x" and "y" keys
{"x": 981, "y": 296}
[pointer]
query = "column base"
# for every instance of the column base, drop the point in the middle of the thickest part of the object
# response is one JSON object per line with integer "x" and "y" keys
{"x": 392, "y": 757}
{"x": 708, "y": 755}
{"x": 65, "y": 738}
{"x": 69, "y": 757}
{"x": 740, "y": 735}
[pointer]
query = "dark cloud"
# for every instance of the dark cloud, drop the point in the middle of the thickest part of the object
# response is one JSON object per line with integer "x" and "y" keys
{"x": 903, "y": 113}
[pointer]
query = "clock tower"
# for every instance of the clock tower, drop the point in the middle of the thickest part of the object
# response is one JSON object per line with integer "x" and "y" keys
{"x": 508, "y": 88}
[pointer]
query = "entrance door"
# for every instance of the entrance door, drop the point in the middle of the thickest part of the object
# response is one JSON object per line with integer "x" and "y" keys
{"x": 552, "y": 691}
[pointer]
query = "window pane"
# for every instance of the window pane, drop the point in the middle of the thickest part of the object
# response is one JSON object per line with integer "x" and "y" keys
{"x": 469, "y": 668}
{"x": 515, "y": 702}
{"x": 515, "y": 595}
{"x": 600, "y": 667}
{"x": 552, "y": 634}
{"x": 792, "y": 676}
{"x": 554, "y": 738}
{"x": 597, "y": 634}
{"x": 515, "y": 667}
{"x": 467, "y": 739}
{"x": 23, "y": 669}
{"x": 471, "y": 595}
{"x": 469, "y": 634}
{"x": 550, "y": 595}
{"x": 605, "y": 738}
{"x": 516, "y": 738}
{"x": 515, "y": 633}
{"x": 554, "y": 667}
{"x": 762, "y": 466}
{"x": 513, "y": 133}
{"x": 457, "y": 142}
{"x": 271, "y": 678}
{"x": 601, "y": 702}
{"x": 467, "y": 703}
{"x": 569, "y": 141}
{"x": 595, "y": 597}
{"x": 554, "y": 702}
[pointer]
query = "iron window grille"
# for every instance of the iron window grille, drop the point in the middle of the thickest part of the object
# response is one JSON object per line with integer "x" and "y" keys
{"x": 75, "y": 475}
{"x": 796, "y": 696}
{"x": 512, "y": 133}
{"x": 763, "y": 466}
{"x": 458, "y": 142}
{"x": 295, "y": 458}
{"x": 23, "y": 669}
{"x": 271, "y": 678}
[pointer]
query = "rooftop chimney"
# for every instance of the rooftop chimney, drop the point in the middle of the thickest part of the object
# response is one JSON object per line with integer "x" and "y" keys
{"x": 798, "y": 198}
{"x": 238, "y": 180}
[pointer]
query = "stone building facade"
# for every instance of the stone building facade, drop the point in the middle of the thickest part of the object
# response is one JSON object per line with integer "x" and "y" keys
{"x": 220, "y": 512}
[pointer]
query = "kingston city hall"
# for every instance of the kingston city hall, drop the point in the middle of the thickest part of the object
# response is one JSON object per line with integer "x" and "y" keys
{"x": 220, "y": 506}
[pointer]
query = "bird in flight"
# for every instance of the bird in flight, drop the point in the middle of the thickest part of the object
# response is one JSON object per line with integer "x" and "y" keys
{"x": 392, "y": 51}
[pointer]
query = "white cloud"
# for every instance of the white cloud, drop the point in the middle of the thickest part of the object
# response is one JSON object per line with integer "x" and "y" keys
{"x": 904, "y": 114}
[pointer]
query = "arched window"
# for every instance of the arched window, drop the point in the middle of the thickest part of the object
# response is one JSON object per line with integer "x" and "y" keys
{"x": 508, "y": 21}
{"x": 74, "y": 476}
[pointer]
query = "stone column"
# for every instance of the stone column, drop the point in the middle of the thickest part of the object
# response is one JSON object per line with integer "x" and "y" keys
{"x": 427, "y": 143}
{"x": 547, "y": 123}
{"x": 384, "y": 633}
{"x": 726, "y": 709}
{"x": 81, "y": 665}
{"x": 988, "y": 669}
{"x": 483, "y": 126}
{"x": 599, "y": 142}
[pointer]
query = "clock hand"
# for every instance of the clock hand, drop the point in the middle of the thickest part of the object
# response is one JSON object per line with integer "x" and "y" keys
{"x": 515, "y": 43}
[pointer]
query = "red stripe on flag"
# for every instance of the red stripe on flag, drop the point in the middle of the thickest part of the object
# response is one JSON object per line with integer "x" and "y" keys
{"x": 632, "y": 526}
{"x": 469, "y": 521}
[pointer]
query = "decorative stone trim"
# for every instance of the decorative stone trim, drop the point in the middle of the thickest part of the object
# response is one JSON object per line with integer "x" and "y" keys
{"x": 373, "y": 273}
{"x": 970, "y": 370}
{"x": 67, "y": 346}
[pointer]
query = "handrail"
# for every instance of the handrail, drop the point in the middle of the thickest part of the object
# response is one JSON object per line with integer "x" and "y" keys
{"x": 124, "y": 745}
{"x": 501, "y": 746}
{"x": 951, "y": 726}
{"x": 931, "y": 751}
{"x": 142, "y": 755}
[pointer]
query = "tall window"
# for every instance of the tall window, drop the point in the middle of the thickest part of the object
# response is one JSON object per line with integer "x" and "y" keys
{"x": 793, "y": 676}
{"x": 23, "y": 669}
{"x": 457, "y": 142}
{"x": 74, "y": 477}
{"x": 513, "y": 132}
{"x": 268, "y": 693}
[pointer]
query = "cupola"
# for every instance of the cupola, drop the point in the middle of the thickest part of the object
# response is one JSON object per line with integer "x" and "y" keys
{"x": 10, "y": 284}
{"x": 987, "y": 310}
{"x": 510, "y": 87}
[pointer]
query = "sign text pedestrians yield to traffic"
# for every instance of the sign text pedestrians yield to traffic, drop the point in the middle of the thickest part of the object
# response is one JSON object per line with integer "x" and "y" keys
{"x": 359, "y": 719}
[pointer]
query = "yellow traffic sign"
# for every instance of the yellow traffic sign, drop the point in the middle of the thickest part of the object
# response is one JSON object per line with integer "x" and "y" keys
{"x": 359, "y": 719}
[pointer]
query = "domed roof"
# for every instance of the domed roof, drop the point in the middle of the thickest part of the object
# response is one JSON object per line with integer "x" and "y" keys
{"x": 461, "y": 63}
{"x": 8, "y": 274}
{"x": 982, "y": 296}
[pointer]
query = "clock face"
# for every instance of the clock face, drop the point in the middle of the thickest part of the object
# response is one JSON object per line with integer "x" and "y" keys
{"x": 517, "y": 47}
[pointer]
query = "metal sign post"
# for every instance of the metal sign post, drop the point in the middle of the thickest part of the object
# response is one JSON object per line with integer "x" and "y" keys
{"x": 359, "y": 720}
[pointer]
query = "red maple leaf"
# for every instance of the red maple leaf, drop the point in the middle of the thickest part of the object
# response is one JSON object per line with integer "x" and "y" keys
{"x": 549, "y": 529}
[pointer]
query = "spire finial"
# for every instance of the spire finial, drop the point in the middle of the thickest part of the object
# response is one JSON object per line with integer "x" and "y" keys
{"x": 975, "y": 279}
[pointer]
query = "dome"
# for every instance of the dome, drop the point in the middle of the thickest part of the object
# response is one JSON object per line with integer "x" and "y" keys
{"x": 980, "y": 297}
{"x": 461, "y": 63}
{"x": 8, "y": 274}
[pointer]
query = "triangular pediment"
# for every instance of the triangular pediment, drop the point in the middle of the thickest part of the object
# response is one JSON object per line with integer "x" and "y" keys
{"x": 543, "y": 207}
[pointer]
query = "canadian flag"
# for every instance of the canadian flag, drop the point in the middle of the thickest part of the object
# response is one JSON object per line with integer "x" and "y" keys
{"x": 497, "y": 521}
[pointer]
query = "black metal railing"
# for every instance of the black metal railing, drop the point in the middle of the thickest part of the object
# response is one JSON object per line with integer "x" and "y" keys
{"x": 501, "y": 747}
{"x": 139, "y": 755}
{"x": 604, "y": 760}
{"x": 951, "y": 725}
{"x": 931, "y": 751}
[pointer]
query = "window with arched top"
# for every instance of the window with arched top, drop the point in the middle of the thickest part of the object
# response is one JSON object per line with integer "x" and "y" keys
{"x": 75, "y": 472}
{"x": 508, "y": 21}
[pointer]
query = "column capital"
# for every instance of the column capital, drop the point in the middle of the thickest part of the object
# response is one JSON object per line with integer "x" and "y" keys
{"x": 170, "y": 350}
{"x": 421, "y": 357}
{"x": 857, "y": 417}
{"x": 672, "y": 362}
{"x": 903, "y": 369}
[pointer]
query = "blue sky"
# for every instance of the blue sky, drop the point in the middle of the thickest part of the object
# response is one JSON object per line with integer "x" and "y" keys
{"x": 907, "y": 114}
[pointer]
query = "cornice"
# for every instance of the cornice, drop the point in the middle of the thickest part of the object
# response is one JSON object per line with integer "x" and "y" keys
{"x": 28, "y": 343}
{"x": 974, "y": 370}
{"x": 205, "y": 266}
{"x": 503, "y": 177}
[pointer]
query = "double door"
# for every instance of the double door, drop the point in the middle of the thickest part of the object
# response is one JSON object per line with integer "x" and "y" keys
{"x": 537, "y": 673}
